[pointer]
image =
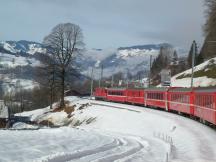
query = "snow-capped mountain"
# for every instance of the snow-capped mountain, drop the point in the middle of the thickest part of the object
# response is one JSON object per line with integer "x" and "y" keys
{"x": 123, "y": 59}
{"x": 22, "y": 46}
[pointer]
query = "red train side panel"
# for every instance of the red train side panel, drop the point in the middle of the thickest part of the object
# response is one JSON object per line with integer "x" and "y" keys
{"x": 135, "y": 96}
{"x": 100, "y": 93}
{"x": 205, "y": 104}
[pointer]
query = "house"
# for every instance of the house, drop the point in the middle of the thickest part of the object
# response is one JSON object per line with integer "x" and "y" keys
{"x": 165, "y": 77}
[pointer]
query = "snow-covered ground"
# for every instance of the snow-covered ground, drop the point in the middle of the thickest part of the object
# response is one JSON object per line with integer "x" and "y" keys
{"x": 12, "y": 61}
{"x": 117, "y": 133}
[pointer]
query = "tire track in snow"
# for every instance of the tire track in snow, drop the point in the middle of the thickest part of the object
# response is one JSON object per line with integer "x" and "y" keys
{"x": 134, "y": 147}
{"x": 120, "y": 148}
{"x": 81, "y": 153}
{"x": 153, "y": 152}
{"x": 129, "y": 147}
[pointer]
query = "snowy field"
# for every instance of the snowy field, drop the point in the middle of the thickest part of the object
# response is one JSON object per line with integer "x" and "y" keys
{"x": 117, "y": 133}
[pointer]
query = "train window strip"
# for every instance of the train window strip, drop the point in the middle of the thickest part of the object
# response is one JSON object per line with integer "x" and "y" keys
{"x": 180, "y": 98}
{"x": 157, "y": 96}
{"x": 116, "y": 93}
{"x": 205, "y": 101}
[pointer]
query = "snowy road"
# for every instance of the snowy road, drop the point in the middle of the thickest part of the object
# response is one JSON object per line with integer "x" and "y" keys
{"x": 120, "y": 133}
{"x": 67, "y": 144}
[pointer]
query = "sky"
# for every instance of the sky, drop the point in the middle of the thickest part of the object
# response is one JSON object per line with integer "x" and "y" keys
{"x": 106, "y": 23}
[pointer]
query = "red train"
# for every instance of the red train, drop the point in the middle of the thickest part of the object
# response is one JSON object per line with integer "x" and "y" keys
{"x": 199, "y": 103}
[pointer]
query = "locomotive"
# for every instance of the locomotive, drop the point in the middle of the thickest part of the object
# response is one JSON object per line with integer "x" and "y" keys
{"x": 197, "y": 103}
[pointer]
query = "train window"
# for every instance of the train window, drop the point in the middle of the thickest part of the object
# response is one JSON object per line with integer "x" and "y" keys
{"x": 173, "y": 96}
{"x": 149, "y": 95}
{"x": 200, "y": 102}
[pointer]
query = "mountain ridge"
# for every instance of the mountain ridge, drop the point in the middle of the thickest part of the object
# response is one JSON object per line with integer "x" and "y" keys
{"x": 123, "y": 59}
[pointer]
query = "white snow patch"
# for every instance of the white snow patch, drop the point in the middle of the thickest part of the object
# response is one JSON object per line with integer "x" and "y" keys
{"x": 20, "y": 125}
{"x": 11, "y": 61}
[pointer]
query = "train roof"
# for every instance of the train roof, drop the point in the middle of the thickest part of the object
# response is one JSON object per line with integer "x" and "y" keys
{"x": 205, "y": 89}
{"x": 180, "y": 89}
{"x": 116, "y": 89}
{"x": 163, "y": 89}
{"x": 140, "y": 88}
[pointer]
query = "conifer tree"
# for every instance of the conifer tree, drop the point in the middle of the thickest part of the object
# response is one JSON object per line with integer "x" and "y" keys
{"x": 189, "y": 59}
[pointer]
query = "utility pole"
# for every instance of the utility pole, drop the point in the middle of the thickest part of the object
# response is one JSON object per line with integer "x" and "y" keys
{"x": 128, "y": 78}
{"x": 101, "y": 76}
{"x": 92, "y": 81}
{"x": 193, "y": 58}
{"x": 112, "y": 81}
{"x": 150, "y": 70}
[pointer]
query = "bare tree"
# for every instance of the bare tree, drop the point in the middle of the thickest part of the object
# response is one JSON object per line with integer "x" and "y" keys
{"x": 46, "y": 75}
{"x": 65, "y": 41}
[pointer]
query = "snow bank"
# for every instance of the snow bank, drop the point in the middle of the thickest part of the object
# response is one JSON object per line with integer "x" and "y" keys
{"x": 20, "y": 125}
{"x": 61, "y": 117}
{"x": 197, "y": 82}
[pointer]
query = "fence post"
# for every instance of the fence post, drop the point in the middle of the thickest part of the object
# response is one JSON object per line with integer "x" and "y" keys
{"x": 167, "y": 157}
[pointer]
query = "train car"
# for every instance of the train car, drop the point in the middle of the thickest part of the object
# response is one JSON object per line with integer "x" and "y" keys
{"x": 135, "y": 96}
{"x": 117, "y": 94}
{"x": 156, "y": 97}
{"x": 100, "y": 93}
{"x": 205, "y": 104}
{"x": 181, "y": 100}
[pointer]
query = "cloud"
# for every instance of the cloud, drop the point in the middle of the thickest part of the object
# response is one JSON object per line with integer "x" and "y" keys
{"x": 106, "y": 23}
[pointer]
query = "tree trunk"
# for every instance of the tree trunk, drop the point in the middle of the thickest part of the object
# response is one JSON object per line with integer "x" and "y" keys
{"x": 62, "y": 103}
{"x": 52, "y": 86}
{"x": 51, "y": 97}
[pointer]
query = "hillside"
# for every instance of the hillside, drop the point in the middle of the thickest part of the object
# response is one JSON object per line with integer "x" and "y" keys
{"x": 204, "y": 75}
